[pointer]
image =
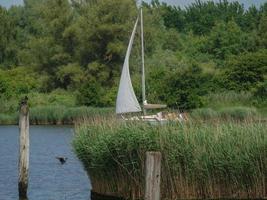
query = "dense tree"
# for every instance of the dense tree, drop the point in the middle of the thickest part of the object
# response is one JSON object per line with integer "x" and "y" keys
{"x": 183, "y": 88}
{"x": 70, "y": 76}
{"x": 91, "y": 94}
{"x": 202, "y": 16}
{"x": 5, "y": 37}
{"x": 245, "y": 71}
{"x": 79, "y": 46}
{"x": 263, "y": 31}
{"x": 228, "y": 39}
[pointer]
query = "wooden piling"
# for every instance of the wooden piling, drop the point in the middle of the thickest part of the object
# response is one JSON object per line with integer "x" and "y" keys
{"x": 153, "y": 168}
{"x": 24, "y": 149}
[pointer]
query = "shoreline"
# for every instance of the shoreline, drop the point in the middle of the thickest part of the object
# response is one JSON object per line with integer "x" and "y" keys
{"x": 40, "y": 124}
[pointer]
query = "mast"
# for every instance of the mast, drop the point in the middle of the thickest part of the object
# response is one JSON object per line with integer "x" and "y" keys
{"x": 143, "y": 63}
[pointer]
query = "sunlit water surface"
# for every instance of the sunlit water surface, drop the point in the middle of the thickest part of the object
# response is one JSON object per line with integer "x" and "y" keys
{"x": 48, "y": 179}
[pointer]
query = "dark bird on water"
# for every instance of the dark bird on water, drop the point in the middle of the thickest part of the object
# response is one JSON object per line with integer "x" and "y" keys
{"x": 62, "y": 160}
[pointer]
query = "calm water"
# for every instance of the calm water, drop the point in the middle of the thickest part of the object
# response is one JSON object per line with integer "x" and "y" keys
{"x": 48, "y": 179}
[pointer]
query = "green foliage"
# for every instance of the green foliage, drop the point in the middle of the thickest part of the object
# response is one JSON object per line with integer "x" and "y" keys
{"x": 18, "y": 80}
{"x": 204, "y": 113}
{"x": 5, "y": 90}
{"x": 228, "y": 99}
{"x": 172, "y": 40}
{"x": 59, "y": 114}
{"x": 70, "y": 76}
{"x": 90, "y": 94}
{"x": 79, "y": 46}
{"x": 238, "y": 113}
{"x": 8, "y": 105}
{"x": 261, "y": 90}
{"x": 6, "y": 39}
{"x": 8, "y": 119}
{"x": 245, "y": 71}
{"x": 260, "y": 94}
{"x": 183, "y": 88}
{"x": 55, "y": 98}
{"x": 173, "y": 17}
{"x": 263, "y": 31}
{"x": 201, "y": 16}
{"x": 227, "y": 39}
{"x": 103, "y": 29}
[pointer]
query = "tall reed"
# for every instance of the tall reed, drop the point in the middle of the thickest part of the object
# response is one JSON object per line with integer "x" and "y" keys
{"x": 212, "y": 160}
{"x": 8, "y": 119}
{"x": 64, "y": 115}
{"x": 236, "y": 113}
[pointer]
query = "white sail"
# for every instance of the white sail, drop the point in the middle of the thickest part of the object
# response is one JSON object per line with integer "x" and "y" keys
{"x": 126, "y": 99}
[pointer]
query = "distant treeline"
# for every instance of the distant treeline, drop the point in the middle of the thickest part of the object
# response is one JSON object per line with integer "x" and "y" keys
{"x": 79, "y": 46}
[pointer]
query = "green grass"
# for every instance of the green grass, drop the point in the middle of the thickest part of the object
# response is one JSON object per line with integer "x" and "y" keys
{"x": 229, "y": 99}
{"x": 64, "y": 115}
{"x": 204, "y": 113}
{"x": 57, "y": 107}
{"x": 56, "y": 97}
{"x": 200, "y": 160}
{"x": 45, "y": 115}
{"x": 8, "y": 119}
{"x": 237, "y": 113}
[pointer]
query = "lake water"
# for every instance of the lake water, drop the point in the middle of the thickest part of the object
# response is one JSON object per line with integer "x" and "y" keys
{"x": 48, "y": 179}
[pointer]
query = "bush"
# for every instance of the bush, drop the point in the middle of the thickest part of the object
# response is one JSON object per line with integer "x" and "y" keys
{"x": 90, "y": 94}
{"x": 57, "y": 97}
{"x": 184, "y": 89}
{"x": 260, "y": 95}
{"x": 245, "y": 71}
{"x": 70, "y": 76}
{"x": 5, "y": 91}
{"x": 261, "y": 91}
{"x": 227, "y": 39}
{"x": 8, "y": 105}
{"x": 20, "y": 80}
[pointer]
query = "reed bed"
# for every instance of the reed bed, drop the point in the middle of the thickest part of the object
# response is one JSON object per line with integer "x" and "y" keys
{"x": 55, "y": 115}
{"x": 8, "y": 119}
{"x": 65, "y": 115}
{"x": 200, "y": 160}
{"x": 234, "y": 113}
{"x": 229, "y": 99}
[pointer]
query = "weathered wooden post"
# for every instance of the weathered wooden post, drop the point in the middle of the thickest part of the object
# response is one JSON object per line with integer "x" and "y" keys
{"x": 24, "y": 148}
{"x": 153, "y": 168}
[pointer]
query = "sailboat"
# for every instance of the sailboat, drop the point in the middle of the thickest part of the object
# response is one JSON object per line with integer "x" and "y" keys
{"x": 126, "y": 99}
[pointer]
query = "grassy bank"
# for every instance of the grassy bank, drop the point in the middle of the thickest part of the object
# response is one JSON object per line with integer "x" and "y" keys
{"x": 60, "y": 107}
{"x": 60, "y": 114}
{"x": 220, "y": 159}
{"x": 44, "y": 115}
{"x": 236, "y": 113}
